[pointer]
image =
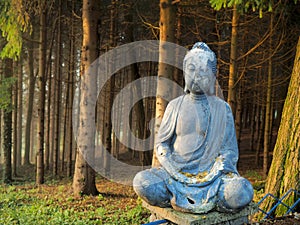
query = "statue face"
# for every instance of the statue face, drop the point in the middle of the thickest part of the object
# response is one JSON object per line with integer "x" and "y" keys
{"x": 199, "y": 77}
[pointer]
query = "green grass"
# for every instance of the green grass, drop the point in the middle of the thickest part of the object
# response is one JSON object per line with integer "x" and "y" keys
{"x": 35, "y": 205}
{"x": 54, "y": 203}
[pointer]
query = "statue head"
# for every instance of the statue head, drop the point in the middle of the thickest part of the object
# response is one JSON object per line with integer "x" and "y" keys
{"x": 199, "y": 69}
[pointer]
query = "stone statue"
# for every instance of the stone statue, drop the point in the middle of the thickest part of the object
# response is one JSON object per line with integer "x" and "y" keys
{"x": 196, "y": 147}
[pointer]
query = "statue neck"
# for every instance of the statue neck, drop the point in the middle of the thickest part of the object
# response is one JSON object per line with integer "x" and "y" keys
{"x": 197, "y": 97}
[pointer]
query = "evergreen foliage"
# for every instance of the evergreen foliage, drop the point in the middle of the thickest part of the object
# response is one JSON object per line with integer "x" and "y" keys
{"x": 13, "y": 22}
{"x": 245, "y": 5}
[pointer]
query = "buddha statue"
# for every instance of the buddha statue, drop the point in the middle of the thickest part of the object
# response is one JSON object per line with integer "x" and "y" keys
{"x": 197, "y": 148}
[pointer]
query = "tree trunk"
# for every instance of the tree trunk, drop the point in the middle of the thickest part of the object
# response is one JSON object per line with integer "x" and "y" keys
{"x": 7, "y": 127}
{"x": 30, "y": 103}
{"x": 57, "y": 77}
{"x": 15, "y": 124}
{"x": 84, "y": 176}
{"x": 52, "y": 118}
{"x": 49, "y": 119}
{"x": 233, "y": 60}
{"x": 63, "y": 153}
{"x": 42, "y": 89}
{"x": 138, "y": 110}
{"x": 1, "y": 113}
{"x": 238, "y": 116}
{"x": 285, "y": 168}
{"x": 261, "y": 118}
{"x": 167, "y": 33}
{"x": 70, "y": 88}
{"x": 20, "y": 112}
{"x": 253, "y": 124}
{"x": 109, "y": 93}
{"x": 50, "y": 107}
{"x": 268, "y": 105}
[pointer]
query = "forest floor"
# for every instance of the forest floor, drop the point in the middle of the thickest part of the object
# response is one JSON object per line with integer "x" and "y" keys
{"x": 53, "y": 203}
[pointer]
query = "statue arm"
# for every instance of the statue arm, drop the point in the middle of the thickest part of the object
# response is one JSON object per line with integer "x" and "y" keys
{"x": 229, "y": 148}
{"x": 164, "y": 142}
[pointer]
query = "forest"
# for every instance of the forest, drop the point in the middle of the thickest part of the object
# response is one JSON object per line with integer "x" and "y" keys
{"x": 51, "y": 106}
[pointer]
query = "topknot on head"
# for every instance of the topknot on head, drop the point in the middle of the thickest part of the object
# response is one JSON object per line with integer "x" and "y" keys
{"x": 201, "y": 45}
{"x": 204, "y": 52}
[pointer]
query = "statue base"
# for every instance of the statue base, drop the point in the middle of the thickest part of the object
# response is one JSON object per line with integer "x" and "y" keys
{"x": 210, "y": 218}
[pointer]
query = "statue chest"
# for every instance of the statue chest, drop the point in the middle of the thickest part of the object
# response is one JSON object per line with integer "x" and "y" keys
{"x": 191, "y": 129}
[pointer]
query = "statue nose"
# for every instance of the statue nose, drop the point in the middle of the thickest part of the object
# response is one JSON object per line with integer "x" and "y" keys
{"x": 202, "y": 78}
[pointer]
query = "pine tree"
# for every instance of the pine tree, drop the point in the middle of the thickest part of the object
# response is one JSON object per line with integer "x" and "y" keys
{"x": 284, "y": 172}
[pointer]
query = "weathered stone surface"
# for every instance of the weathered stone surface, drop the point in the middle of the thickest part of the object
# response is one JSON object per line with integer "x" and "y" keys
{"x": 196, "y": 147}
{"x": 211, "y": 218}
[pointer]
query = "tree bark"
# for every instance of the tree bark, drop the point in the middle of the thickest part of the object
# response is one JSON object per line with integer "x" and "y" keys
{"x": 167, "y": 33}
{"x": 49, "y": 119}
{"x": 71, "y": 75}
{"x": 20, "y": 112}
{"x": 238, "y": 115}
{"x": 284, "y": 172}
{"x": 233, "y": 60}
{"x": 84, "y": 176}
{"x": 261, "y": 124}
{"x": 253, "y": 124}
{"x": 7, "y": 127}
{"x": 57, "y": 77}
{"x": 268, "y": 105}
{"x": 42, "y": 89}
{"x": 109, "y": 92}
{"x": 15, "y": 124}
{"x": 30, "y": 103}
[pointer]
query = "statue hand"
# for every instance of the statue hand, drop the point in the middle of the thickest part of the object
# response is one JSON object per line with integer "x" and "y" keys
{"x": 206, "y": 177}
{"x": 216, "y": 169}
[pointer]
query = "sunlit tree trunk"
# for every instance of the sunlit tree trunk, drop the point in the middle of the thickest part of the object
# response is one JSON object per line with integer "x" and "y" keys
{"x": 167, "y": 33}
{"x": 284, "y": 172}
{"x": 41, "y": 107}
{"x": 1, "y": 114}
{"x": 84, "y": 176}
{"x": 178, "y": 78}
{"x": 233, "y": 60}
{"x": 7, "y": 127}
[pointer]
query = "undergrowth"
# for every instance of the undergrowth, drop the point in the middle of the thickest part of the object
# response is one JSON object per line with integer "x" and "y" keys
{"x": 29, "y": 204}
{"x": 54, "y": 204}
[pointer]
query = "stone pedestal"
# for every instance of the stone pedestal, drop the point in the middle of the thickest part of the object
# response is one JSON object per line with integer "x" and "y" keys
{"x": 211, "y": 218}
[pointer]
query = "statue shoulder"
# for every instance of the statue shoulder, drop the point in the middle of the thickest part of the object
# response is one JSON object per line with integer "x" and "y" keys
{"x": 220, "y": 102}
{"x": 175, "y": 102}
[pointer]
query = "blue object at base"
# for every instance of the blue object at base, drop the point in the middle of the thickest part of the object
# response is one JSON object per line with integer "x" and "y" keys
{"x": 156, "y": 222}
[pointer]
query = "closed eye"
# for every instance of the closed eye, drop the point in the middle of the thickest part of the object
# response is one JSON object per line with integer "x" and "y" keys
{"x": 191, "y": 67}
